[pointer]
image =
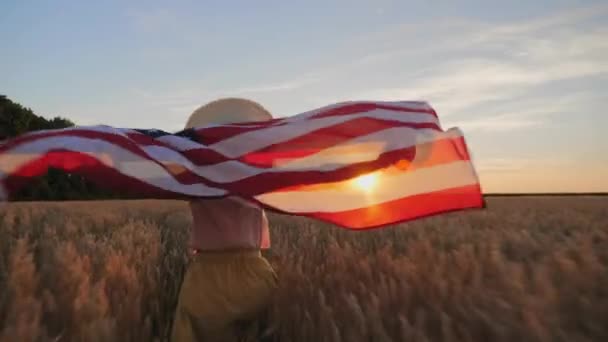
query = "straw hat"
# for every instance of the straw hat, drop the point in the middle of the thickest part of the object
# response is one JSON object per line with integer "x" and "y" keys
{"x": 228, "y": 110}
{"x": 225, "y": 111}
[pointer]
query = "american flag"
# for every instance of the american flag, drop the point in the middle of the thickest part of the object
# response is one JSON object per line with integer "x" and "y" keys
{"x": 355, "y": 164}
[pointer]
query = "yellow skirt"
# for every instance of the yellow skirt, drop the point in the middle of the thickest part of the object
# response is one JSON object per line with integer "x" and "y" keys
{"x": 222, "y": 295}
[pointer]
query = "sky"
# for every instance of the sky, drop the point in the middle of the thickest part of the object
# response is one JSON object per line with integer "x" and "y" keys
{"x": 526, "y": 81}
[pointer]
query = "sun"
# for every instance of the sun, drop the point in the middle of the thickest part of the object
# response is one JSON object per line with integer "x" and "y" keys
{"x": 366, "y": 182}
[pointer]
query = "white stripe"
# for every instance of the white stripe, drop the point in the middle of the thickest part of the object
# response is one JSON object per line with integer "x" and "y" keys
{"x": 252, "y": 141}
{"x": 360, "y": 149}
{"x": 97, "y": 128}
{"x": 308, "y": 114}
{"x": 422, "y": 106}
{"x": 224, "y": 172}
{"x": 180, "y": 143}
{"x": 109, "y": 154}
{"x": 367, "y": 147}
{"x": 243, "y": 125}
{"x": 389, "y": 187}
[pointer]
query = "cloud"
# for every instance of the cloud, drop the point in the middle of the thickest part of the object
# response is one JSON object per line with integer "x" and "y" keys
{"x": 504, "y": 64}
{"x": 559, "y": 19}
{"x": 481, "y": 76}
{"x": 527, "y": 114}
{"x": 427, "y": 37}
{"x": 455, "y": 87}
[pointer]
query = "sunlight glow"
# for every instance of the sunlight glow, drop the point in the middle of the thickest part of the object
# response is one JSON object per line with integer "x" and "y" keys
{"x": 366, "y": 182}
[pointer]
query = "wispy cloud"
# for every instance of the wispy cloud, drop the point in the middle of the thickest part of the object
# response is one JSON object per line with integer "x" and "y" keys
{"x": 457, "y": 86}
{"x": 458, "y": 34}
{"x": 559, "y": 19}
{"x": 526, "y": 114}
{"x": 504, "y": 65}
{"x": 478, "y": 75}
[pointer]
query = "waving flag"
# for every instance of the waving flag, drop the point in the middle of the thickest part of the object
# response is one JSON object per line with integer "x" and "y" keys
{"x": 355, "y": 164}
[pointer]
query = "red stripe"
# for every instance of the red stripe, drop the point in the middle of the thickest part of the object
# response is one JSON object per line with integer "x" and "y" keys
{"x": 130, "y": 141}
{"x": 199, "y": 156}
{"x": 86, "y": 166}
{"x": 323, "y": 138}
{"x": 362, "y": 107}
{"x": 404, "y": 209}
{"x": 431, "y": 154}
{"x": 271, "y": 181}
{"x": 133, "y": 144}
{"x": 445, "y": 151}
{"x": 216, "y": 134}
{"x": 116, "y": 139}
{"x": 145, "y": 140}
{"x": 268, "y": 122}
{"x": 121, "y": 142}
{"x": 75, "y": 162}
{"x": 392, "y": 212}
{"x": 204, "y": 156}
{"x": 408, "y": 208}
{"x": 13, "y": 142}
{"x": 375, "y": 216}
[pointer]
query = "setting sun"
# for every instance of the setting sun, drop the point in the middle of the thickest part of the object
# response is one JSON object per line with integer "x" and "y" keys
{"x": 366, "y": 182}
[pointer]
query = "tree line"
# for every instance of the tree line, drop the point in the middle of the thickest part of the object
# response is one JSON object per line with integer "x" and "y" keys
{"x": 55, "y": 185}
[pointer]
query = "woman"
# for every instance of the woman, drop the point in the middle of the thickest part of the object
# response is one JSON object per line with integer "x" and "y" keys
{"x": 228, "y": 282}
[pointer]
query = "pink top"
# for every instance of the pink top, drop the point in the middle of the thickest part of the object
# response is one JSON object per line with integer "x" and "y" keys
{"x": 227, "y": 224}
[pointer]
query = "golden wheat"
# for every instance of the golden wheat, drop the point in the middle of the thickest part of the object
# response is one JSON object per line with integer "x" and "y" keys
{"x": 526, "y": 269}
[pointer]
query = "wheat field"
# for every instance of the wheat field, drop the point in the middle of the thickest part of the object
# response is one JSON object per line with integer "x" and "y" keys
{"x": 525, "y": 269}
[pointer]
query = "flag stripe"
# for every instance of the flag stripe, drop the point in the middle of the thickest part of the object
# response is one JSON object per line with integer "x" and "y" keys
{"x": 233, "y": 171}
{"x": 407, "y": 106}
{"x": 248, "y": 142}
{"x": 252, "y": 181}
{"x": 96, "y": 171}
{"x": 427, "y": 173}
{"x": 305, "y": 145}
{"x": 306, "y": 164}
{"x": 137, "y": 165}
{"x": 344, "y": 109}
{"x": 404, "y": 209}
{"x": 312, "y": 143}
{"x": 366, "y": 107}
{"x": 212, "y": 135}
{"x": 233, "y": 175}
{"x": 427, "y": 155}
{"x": 391, "y": 185}
{"x": 244, "y": 179}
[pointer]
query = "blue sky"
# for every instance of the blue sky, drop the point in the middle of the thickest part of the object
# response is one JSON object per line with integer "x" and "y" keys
{"x": 527, "y": 82}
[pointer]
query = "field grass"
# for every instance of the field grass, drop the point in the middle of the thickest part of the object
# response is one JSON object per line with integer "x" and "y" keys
{"x": 525, "y": 269}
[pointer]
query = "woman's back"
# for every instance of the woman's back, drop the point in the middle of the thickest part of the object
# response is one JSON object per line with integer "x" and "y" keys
{"x": 229, "y": 223}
